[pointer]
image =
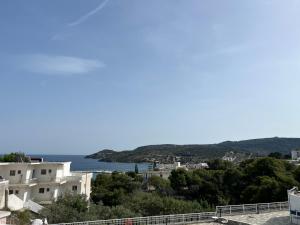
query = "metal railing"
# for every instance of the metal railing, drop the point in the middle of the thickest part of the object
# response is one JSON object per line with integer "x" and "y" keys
{"x": 251, "y": 208}
{"x": 176, "y": 219}
{"x": 191, "y": 218}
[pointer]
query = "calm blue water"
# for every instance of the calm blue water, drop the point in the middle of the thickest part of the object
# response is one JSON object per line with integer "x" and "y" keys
{"x": 79, "y": 163}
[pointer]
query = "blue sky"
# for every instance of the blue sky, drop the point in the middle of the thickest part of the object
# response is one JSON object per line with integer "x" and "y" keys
{"x": 78, "y": 76}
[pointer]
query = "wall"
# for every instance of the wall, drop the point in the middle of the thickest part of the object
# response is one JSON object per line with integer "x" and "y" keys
{"x": 3, "y": 186}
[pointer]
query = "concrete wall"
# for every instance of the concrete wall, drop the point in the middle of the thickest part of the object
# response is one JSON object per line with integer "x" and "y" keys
{"x": 3, "y": 186}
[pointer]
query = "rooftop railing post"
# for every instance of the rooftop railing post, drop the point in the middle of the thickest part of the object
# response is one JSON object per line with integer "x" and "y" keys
{"x": 280, "y": 206}
{"x": 220, "y": 212}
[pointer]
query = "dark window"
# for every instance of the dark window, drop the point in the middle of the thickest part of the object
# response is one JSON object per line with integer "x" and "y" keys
{"x": 16, "y": 192}
{"x": 298, "y": 213}
{"x": 12, "y": 173}
{"x": 43, "y": 172}
{"x": 19, "y": 171}
{"x": 48, "y": 189}
{"x": 33, "y": 173}
{"x": 50, "y": 171}
{"x": 74, "y": 188}
{"x": 11, "y": 192}
{"x": 42, "y": 190}
{"x": 293, "y": 212}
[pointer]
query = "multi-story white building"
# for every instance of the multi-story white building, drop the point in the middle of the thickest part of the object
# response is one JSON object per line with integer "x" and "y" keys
{"x": 44, "y": 182}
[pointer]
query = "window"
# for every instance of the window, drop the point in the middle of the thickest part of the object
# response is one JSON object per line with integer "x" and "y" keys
{"x": 42, "y": 190}
{"x": 48, "y": 189}
{"x": 293, "y": 212}
{"x": 16, "y": 192}
{"x": 19, "y": 171}
{"x": 11, "y": 192}
{"x": 74, "y": 188}
{"x": 43, "y": 172}
{"x": 49, "y": 171}
{"x": 12, "y": 173}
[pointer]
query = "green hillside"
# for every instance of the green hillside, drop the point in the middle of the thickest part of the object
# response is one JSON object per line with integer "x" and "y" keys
{"x": 195, "y": 153}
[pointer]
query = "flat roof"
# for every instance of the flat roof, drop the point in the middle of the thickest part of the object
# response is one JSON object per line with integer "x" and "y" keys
{"x": 272, "y": 218}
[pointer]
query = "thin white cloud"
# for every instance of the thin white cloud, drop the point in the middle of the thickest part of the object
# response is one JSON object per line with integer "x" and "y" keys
{"x": 58, "y": 64}
{"x": 86, "y": 16}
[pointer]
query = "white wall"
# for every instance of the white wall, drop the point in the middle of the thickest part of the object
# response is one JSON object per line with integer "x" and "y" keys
{"x": 3, "y": 186}
{"x": 58, "y": 179}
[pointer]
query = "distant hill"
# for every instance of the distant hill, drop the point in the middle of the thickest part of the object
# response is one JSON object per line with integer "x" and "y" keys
{"x": 195, "y": 153}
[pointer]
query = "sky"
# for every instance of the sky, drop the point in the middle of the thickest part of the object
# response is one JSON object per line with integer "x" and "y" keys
{"x": 79, "y": 76}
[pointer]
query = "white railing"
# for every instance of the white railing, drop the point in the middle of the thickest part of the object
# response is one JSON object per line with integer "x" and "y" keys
{"x": 251, "y": 208}
{"x": 191, "y": 218}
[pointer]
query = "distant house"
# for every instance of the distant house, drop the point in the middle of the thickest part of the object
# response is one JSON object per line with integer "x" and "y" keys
{"x": 194, "y": 166}
{"x": 161, "y": 170}
{"x": 295, "y": 155}
{"x": 42, "y": 182}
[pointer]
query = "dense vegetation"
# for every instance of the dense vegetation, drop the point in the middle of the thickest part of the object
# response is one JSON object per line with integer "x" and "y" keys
{"x": 126, "y": 195}
{"x": 14, "y": 157}
{"x": 197, "y": 153}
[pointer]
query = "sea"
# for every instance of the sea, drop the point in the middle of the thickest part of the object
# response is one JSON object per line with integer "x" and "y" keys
{"x": 80, "y": 163}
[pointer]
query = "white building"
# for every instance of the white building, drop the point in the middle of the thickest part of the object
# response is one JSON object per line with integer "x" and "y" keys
{"x": 294, "y": 205}
{"x": 43, "y": 182}
{"x": 3, "y": 188}
{"x": 295, "y": 155}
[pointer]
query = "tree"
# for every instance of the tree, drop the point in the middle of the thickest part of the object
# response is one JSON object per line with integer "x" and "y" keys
{"x": 136, "y": 169}
{"x": 23, "y": 217}
{"x": 276, "y": 155}
{"x": 15, "y": 157}
{"x": 219, "y": 164}
{"x": 67, "y": 208}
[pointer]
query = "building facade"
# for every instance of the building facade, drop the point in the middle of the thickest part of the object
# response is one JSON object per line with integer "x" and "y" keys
{"x": 44, "y": 182}
{"x": 294, "y": 205}
{"x": 295, "y": 155}
{"x": 3, "y": 188}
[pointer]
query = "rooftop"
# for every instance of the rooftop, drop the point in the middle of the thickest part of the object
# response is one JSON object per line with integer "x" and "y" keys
{"x": 272, "y": 218}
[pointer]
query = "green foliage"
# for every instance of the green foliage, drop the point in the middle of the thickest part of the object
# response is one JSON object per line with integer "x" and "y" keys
{"x": 112, "y": 190}
{"x": 218, "y": 164}
{"x": 148, "y": 204}
{"x": 276, "y": 155}
{"x": 258, "y": 180}
{"x": 15, "y": 157}
{"x": 162, "y": 186}
{"x": 67, "y": 208}
{"x": 23, "y": 217}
